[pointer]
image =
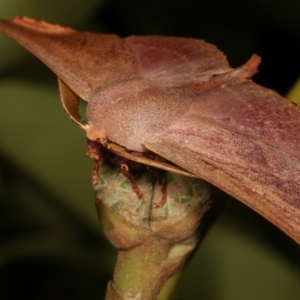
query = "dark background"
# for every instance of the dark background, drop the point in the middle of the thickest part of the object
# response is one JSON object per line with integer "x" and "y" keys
{"x": 50, "y": 243}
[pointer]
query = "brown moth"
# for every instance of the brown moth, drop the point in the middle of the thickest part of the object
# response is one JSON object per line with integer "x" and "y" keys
{"x": 178, "y": 98}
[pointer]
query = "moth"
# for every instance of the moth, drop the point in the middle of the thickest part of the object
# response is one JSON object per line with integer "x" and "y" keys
{"x": 179, "y": 99}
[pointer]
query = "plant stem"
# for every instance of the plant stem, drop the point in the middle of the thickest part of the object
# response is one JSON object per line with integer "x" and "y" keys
{"x": 153, "y": 243}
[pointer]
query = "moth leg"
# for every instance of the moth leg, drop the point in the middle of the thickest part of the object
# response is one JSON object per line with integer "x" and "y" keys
{"x": 126, "y": 172}
{"x": 94, "y": 153}
{"x": 95, "y": 171}
{"x": 163, "y": 188}
{"x": 162, "y": 185}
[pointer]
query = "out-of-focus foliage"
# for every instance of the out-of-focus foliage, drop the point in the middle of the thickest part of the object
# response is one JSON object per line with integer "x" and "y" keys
{"x": 50, "y": 242}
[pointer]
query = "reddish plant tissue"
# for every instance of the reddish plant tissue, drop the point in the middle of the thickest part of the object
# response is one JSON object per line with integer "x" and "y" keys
{"x": 178, "y": 98}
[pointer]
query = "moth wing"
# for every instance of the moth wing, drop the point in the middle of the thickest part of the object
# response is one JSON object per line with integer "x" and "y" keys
{"x": 245, "y": 140}
{"x": 85, "y": 61}
{"x": 272, "y": 190}
{"x": 173, "y": 61}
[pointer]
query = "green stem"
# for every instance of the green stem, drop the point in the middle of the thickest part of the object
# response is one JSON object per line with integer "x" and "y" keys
{"x": 153, "y": 242}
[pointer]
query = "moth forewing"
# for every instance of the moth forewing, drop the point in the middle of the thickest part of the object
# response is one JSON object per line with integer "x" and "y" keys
{"x": 267, "y": 193}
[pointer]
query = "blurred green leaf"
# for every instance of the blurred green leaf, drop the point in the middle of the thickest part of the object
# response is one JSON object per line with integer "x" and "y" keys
{"x": 35, "y": 131}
